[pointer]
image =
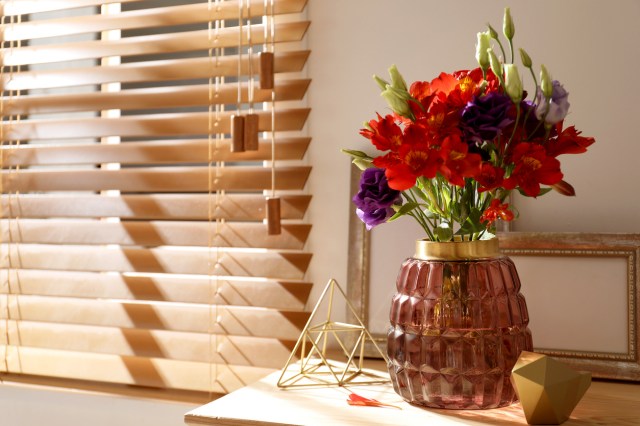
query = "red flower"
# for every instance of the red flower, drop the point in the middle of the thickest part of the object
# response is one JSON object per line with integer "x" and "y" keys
{"x": 421, "y": 91}
{"x": 490, "y": 177}
{"x": 455, "y": 90}
{"x": 568, "y": 141}
{"x": 532, "y": 167}
{"x": 385, "y": 134}
{"x": 444, "y": 83}
{"x": 458, "y": 162}
{"x": 496, "y": 211}
{"x": 441, "y": 121}
{"x": 417, "y": 156}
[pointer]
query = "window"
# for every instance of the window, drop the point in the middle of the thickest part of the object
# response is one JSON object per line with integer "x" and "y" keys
{"x": 135, "y": 249}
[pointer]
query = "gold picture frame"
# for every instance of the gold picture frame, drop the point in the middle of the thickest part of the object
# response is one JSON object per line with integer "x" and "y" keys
{"x": 589, "y": 256}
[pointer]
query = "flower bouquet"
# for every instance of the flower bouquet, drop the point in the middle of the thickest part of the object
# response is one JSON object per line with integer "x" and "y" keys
{"x": 454, "y": 148}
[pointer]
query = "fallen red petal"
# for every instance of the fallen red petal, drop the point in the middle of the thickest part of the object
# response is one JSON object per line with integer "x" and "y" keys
{"x": 358, "y": 400}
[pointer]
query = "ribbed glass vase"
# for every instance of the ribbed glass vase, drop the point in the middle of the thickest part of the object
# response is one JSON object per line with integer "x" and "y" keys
{"x": 458, "y": 325}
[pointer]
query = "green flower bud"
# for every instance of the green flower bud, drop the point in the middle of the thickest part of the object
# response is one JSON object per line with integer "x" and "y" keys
{"x": 526, "y": 59}
{"x": 512, "y": 82}
{"x": 481, "y": 50}
{"x": 382, "y": 83}
{"x": 546, "y": 84}
{"x": 496, "y": 66}
{"x": 507, "y": 26}
{"x": 397, "y": 82}
{"x": 398, "y": 101}
{"x": 492, "y": 32}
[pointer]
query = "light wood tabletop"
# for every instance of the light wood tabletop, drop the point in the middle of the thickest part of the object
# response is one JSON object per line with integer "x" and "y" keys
{"x": 263, "y": 403}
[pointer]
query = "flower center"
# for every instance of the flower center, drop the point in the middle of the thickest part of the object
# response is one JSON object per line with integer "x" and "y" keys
{"x": 531, "y": 163}
{"x": 435, "y": 120}
{"x": 415, "y": 159}
{"x": 467, "y": 84}
{"x": 396, "y": 140}
{"x": 455, "y": 155}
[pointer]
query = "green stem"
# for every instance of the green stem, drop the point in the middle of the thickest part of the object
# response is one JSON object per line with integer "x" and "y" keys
{"x": 433, "y": 197}
{"x": 501, "y": 48}
{"x": 535, "y": 81}
{"x": 420, "y": 217}
{"x": 511, "y": 49}
{"x": 453, "y": 193}
{"x": 513, "y": 133}
{"x": 423, "y": 225}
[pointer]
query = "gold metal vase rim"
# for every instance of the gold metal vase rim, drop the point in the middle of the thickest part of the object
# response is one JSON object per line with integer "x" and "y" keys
{"x": 457, "y": 250}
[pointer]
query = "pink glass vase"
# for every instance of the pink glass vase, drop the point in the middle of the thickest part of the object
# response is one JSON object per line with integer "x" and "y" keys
{"x": 458, "y": 325}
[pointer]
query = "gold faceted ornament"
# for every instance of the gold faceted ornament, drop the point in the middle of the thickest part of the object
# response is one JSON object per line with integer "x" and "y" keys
{"x": 315, "y": 368}
{"x": 548, "y": 390}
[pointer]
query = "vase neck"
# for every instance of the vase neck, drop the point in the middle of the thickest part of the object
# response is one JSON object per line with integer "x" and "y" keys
{"x": 458, "y": 250}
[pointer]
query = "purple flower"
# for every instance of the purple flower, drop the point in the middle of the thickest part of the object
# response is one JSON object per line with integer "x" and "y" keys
{"x": 375, "y": 198}
{"x": 486, "y": 116}
{"x": 532, "y": 127}
{"x": 557, "y": 109}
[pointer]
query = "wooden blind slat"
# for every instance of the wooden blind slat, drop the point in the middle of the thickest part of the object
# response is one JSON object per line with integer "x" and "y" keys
{"x": 148, "y": 152}
{"x": 23, "y": 7}
{"x": 144, "y": 18}
{"x": 226, "y": 262}
{"x": 152, "y": 125}
{"x": 155, "y": 179}
{"x": 199, "y": 318}
{"x": 184, "y": 346}
{"x": 153, "y": 233}
{"x": 156, "y": 98}
{"x": 150, "y": 206}
{"x": 148, "y": 45}
{"x": 140, "y": 371}
{"x": 150, "y": 71}
{"x": 239, "y": 291}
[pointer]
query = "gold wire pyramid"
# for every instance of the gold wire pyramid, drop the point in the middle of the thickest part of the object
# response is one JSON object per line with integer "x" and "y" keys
{"x": 548, "y": 390}
{"x": 314, "y": 368}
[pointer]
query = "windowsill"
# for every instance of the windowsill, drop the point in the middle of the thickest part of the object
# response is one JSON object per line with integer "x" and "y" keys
{"x": 105, "y": 389}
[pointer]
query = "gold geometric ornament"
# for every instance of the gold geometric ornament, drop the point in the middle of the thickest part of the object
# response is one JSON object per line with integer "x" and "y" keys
{"x": 548, "y": 390}
{"x": 314, "y": 368}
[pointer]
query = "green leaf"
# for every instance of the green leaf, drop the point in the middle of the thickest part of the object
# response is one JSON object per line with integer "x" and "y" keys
{"x": 542, "y": 192}
{"x": 455, "y": 209}
{"x": 465, "y": 201}
{"x": 464, "y": 212}
{"x": 356, "y": 154}
{"x": 443, "y": 232}
{"x": 420, "y": 194}
{"x": 472, "y": 224}
{"x": 446, "y": 196}
{"x": 403, "y": 210}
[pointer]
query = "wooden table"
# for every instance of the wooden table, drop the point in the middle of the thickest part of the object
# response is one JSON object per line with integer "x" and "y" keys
{"x": 263, "y": 403}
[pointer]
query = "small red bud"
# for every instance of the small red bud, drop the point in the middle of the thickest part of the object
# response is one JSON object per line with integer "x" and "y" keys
{"x": 564, "y": 188}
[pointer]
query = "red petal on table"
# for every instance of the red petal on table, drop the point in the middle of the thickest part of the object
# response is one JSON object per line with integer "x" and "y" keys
{"x": 355, "y": 399}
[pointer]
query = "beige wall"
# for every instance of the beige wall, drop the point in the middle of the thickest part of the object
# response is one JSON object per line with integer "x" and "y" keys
{"x": 589, "y": 45}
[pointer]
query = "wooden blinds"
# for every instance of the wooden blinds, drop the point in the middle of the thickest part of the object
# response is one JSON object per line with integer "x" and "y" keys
{"x": 134, "y": 241}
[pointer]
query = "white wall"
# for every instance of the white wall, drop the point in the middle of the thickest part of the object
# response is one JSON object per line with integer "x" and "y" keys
{"x": 589, "y": 45}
